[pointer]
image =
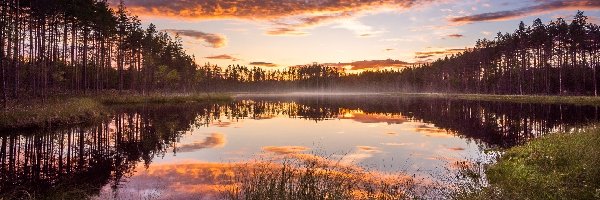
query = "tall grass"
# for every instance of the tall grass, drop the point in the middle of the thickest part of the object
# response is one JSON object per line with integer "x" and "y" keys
{"x": 314, "y": 179}
{"x": 113, "y": 99}
{"x": 52, "y": 113}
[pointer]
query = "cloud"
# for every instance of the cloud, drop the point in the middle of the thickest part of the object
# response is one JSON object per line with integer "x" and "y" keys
{"x": 213, "y": 141}
{"x": 430, "y": 54}
{"x": 292, "y": 27}
{"x": 542, "y": 7}
{"x": 285, "y": 31}
{"x": 211, "y": 40}
{"x": 389, "y": 49}
{"x": 287, "y": 15}
{"x": 370, "y": 64}
{"x": 263, "y": 64}
{"x": 256, "y": 9}
{"x": 223, "y": 57}
{"x": 455, "y": 35}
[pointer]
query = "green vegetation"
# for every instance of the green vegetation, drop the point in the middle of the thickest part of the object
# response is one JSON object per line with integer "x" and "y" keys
{"x": 60, "y": 111}
{"x": 576, "y": 100}
{"x": 559, "y": 166}
{"x": 162, "y": 98}
{"x": 55, "y": 112}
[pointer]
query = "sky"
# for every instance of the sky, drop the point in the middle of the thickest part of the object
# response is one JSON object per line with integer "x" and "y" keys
{"x": 354, "y": 34}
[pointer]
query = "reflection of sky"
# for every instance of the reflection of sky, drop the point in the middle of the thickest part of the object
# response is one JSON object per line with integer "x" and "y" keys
{"x": 383, "y": 144}
{"x": 393, "y": 30}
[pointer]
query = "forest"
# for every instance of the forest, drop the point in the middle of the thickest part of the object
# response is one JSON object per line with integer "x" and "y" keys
{"x": 52, "y": 47}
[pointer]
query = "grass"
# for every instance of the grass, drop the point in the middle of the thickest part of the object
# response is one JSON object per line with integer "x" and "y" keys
{"x": 311, "y": 179}
{"x": 52, "y": 113}
{"x": 559, "y": 166}
{"x": 162, "y": 98}
{"x": 575, "y": 100}
{"x": 70, "y": 110}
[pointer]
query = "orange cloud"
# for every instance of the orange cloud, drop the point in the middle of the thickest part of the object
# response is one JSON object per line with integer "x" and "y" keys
{"x": 211, "y": 40}
{"x": 223, "y": 57}
{"x": 213, "y": 141}
{"x": 370, "y": 64}
{"x": 429, "y": 54}
{"x": 287, "y": 15}
{"x": 264, "y": 64}
{"x": 543, "y": 7}
{"x": 256, "y": 9}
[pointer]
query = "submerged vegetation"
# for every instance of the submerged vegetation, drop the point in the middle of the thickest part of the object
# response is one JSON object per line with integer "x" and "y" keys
{"x": 558, "y": 166}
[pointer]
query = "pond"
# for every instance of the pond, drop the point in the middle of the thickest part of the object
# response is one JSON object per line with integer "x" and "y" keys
{"x": 183, "y": 151}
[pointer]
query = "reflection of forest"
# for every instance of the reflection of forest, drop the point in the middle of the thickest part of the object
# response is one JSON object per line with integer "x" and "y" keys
{"x": 93, "y": 156}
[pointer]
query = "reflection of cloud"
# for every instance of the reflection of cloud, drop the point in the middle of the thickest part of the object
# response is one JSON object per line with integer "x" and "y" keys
{"x": 263, "y": 64}
{"x": 543, "y": 7}
{"x": 456, "y": 148}
{"x": 200, "y": 180}
{"x": 363, "y": 152}
{"x": 212, "y": 40}
{"x": 223, "y": 57}
{"x": 373, "y": 118}
{"x": 397, "y": 144}
{"x": 213, "y": 141}
{"x": 433, "y": 131}
{"x": 285, "y": 149}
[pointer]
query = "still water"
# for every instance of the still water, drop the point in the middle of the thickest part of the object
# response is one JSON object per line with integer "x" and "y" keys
{"x": 180, "y": 151}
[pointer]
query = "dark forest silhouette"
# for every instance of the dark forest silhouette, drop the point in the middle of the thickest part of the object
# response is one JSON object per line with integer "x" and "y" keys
{"x": 64, "y": 46}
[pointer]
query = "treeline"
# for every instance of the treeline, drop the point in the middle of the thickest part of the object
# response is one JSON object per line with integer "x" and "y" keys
{"x": 310, "y": 78}
{"x": 551, "y": 59}
{"x": 49, "y": 46}
{"x": 558, "y": 58}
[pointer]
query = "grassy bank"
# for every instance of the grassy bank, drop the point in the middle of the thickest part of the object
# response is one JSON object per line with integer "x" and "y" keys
{"x": 69, "y": 110}
{"x": 559, "y": 166}
{"x": 162, "y": 98}
{"x": 576, "y": 100}
{"x": 54, "y": 112}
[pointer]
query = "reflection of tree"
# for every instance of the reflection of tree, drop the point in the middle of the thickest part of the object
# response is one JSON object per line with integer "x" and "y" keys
{"x": 91, "y": 157}
{"x": 494, "y": 123}
{"x": 87, "y": 158}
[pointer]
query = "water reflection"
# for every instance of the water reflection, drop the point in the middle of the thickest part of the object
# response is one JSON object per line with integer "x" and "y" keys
{"x": 107, "y": 155}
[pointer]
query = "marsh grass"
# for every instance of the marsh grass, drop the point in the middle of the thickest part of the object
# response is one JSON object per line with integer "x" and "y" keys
{"x": 558, "y": 166}
{"x": 71, "y": 110}
{"x": 317, "y": 179}
{"x": 52, "y": 113}
{"x": 575, "y": 100}
{"x": 157, "y": 98}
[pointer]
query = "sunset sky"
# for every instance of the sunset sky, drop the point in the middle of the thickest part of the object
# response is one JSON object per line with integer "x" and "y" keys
{"x": 357, "y": 34}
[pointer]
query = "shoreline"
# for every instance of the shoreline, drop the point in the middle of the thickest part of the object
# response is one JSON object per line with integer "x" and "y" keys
{"x": 73, "y": 110}
{"x": 76, "y": 109}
